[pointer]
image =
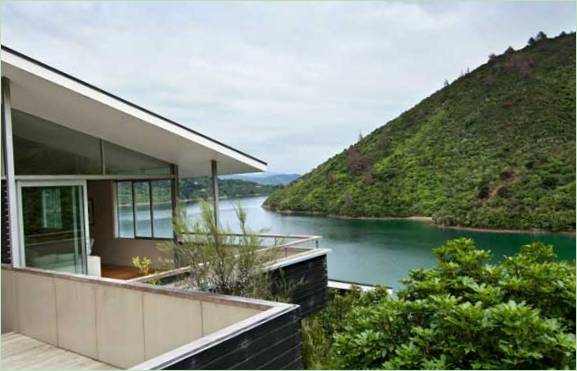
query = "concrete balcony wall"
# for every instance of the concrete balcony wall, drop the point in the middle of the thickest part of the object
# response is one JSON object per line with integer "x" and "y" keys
{"x": 122, "y": 324}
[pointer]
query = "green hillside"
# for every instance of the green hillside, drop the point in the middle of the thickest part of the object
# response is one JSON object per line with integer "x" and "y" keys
{"x": 494, "y": 149}
{"x": 201, "y": 188}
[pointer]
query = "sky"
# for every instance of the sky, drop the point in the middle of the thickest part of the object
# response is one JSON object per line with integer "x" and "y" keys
{"x": 292, "y": 83}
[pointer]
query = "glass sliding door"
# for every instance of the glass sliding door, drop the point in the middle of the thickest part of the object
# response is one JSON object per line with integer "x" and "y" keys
{"x": 53, "y": 226}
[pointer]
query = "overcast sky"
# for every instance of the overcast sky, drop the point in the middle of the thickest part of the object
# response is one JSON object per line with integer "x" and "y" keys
{"x": 292, "y": 83}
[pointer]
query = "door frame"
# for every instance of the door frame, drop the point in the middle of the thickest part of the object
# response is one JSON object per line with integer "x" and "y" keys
{"x": 53, "y": 183}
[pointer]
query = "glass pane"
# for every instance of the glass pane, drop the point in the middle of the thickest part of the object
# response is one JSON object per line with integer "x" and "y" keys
{"x": 122, "y": 161}
{"x": 43, "y": 147}
{"x": 53, "y": 223}
{"x": 162, "y": 208}
{"x": 51, "y": 208}
{"x": 125, "y": 212}
{"x": 142, "y": 204}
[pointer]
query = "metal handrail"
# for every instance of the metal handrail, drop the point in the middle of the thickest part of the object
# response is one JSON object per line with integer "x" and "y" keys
{"x": 263, "y": 235}
{"x": 300, "y": 239}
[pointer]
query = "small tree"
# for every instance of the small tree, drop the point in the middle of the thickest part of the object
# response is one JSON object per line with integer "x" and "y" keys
{"x": 531, "y": 41}
{"x": 348, "y": 200}
{"x": 509, "y": 50}
{"x": 369, "y": 175}
{"x": 356, "y": 162}
{"x": 219, "y": 261}
{"x": 540, "y": 36}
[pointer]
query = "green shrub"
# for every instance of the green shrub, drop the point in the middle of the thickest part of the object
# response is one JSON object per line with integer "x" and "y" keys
{"x": 318, "y": 330}
{"x": 465, "y": 313}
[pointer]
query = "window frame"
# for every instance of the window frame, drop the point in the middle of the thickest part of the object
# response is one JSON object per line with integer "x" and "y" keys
{"x": 151, "y": 207}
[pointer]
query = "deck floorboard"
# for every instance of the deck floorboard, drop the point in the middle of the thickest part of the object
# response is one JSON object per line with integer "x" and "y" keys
{"x": 21, "y": 352}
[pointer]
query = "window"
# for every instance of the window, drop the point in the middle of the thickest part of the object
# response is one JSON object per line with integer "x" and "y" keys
{"x": 144, "y": 209}
{"x": 43, "y": 147}
{"x": 122, "y": 161}
{"x": 162, "y": 208}
{"x": 125, "y": 213}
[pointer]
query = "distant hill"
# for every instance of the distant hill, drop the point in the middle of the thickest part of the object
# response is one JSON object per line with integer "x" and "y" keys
{"x": 201, "y": 188}
{"x": 268, "y": 178}
{"x": 494, "y": 149}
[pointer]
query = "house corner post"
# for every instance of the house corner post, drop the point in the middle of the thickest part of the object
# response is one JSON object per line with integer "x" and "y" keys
{"x": 10, "y": 177}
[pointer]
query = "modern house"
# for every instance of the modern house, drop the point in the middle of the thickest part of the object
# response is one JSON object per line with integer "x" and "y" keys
{"x": 90, "y": 180}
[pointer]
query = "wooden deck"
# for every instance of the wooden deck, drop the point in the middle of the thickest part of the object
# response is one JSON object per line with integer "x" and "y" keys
{"x": 20, "y": 352}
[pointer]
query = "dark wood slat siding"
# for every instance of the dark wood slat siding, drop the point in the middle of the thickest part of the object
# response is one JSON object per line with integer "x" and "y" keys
{"x": 311, "y": 294}
{"x": 309, "y": 282}
{"x": 275, "y": 344}
{"x": 6, "y": 245}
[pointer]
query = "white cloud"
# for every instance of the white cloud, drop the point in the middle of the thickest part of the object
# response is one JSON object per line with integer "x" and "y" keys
{"x": 290, "y": 82}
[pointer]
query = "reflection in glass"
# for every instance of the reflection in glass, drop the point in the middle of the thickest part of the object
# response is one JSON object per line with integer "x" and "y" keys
{"x": 162, "y": 208}
{"x": 53, "y": 225}
{"x": 142, "y": 209}
{"x": 51, "y": 208}
{"x": 43, "y": 147}
{"x": 125, "y": 213}
{"x": 122, "y": 161}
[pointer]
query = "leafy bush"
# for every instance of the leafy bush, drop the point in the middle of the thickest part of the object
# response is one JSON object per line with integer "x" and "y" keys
{"x": 318, "y": 330}
{"x": 144, "y": 267}
{"x": 465, "y": 313}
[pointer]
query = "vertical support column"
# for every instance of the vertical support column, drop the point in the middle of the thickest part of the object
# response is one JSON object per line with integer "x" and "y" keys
{"x": 214, "y": 170}
{"x": 175, "y": 193}
{"x": 176, "y": 212}
{"x": 9, "y": 168}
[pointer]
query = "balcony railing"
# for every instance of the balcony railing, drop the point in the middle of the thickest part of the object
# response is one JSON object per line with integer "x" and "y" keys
{"x": 280, "y": 241}
{"x": 293, "y": 248}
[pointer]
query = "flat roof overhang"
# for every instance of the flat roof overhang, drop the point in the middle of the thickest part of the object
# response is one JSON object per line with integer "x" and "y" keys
{"x": 51, "y": 94}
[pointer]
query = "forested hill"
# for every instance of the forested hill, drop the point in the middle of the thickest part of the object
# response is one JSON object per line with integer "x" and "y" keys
{"x": 494, "y": 149}
{"x": 201, "y": 188}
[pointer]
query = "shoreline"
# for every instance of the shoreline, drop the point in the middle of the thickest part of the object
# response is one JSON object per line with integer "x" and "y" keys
{"x": 422, "y": 219}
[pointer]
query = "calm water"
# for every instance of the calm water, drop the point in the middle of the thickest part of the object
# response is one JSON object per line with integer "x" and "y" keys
{"x": 380, "y": 251}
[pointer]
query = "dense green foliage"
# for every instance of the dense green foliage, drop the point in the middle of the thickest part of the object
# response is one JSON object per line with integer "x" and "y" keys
{"x": 494, "y": 149}
{"x": 201, "y": 188}
{"x": 318, "y": 331}
{"x": 463, "y": 314}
